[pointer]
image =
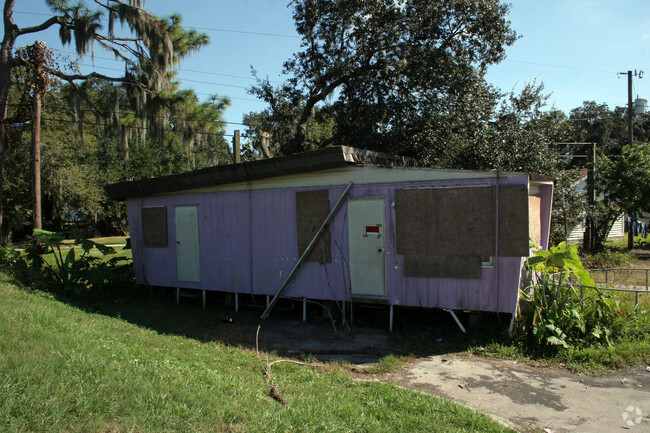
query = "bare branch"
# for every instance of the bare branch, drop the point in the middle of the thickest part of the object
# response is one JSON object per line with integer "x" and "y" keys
{"x": 113, "y": 39}
{"x": 118, "y": 53}
{"x": 47, "y": 24}
{"x": 75, "y": 77}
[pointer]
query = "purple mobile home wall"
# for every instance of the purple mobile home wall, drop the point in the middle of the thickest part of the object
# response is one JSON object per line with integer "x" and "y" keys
{"x": 248, "y": 244}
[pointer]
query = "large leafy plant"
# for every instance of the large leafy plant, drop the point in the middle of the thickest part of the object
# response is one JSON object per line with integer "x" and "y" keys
{"x": 563, "y": 307}
{"x": 72, "y": 266}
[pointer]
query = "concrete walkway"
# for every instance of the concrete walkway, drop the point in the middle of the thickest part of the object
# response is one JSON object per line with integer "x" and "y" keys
{"x": 533, "y": 399}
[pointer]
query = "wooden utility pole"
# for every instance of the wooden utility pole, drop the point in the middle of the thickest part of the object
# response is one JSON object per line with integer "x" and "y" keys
{"x": 590, "y": 232}
{"x": 630, "y": 139}
{"x": 630, "y": 142}
{"x": 236, "y": 147}
{"x": 38, "y": 59}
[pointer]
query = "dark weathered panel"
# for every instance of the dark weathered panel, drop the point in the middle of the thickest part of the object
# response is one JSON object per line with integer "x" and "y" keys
{"x": 312, "y": 208}
{"x": 154, "y": 226}
{"x": 412, "y": 221}
{"x": 465, "y": 222}
{"x": 464, "y": 267}
{"x": 513, "y": 221}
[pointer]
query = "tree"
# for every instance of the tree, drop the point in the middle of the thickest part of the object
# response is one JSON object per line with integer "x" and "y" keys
{"x": 396, "y": 69}
{"x": 272, "y": 130}
{"x": 625, "y": 183}
{"x": 518, "y": 136}
{"x": 149, "y": 49}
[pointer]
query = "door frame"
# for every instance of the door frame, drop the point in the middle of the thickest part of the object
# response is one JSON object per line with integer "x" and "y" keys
{"x": 384, "y": 292}
{"x": 195, "y": 276}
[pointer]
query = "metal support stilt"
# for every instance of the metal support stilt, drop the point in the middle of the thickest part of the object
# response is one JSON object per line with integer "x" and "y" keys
{"x": 390, "y": 318}
{"x": 178, "y": 296}
{"x": 460, "y": 325}
{"x": 512, "y": 324}
{"x": 204, "y": 299}
{"x": 268, "y": 300}
{"x": 236, "y": 302}
{"x": 343, "y": 313}
{"x": 304, "y": 310}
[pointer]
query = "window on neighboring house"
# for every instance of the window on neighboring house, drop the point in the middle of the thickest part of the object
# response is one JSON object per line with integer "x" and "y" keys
{"x": 154, "y": 226}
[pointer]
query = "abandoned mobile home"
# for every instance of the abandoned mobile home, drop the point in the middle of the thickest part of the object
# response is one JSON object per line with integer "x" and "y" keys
{"x": 340, "y": 224}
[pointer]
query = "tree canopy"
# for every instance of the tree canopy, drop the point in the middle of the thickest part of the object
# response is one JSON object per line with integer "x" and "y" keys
{"x": 395, "y": 69}
{"x": 143, "y": 104}
{"x": 624, "y": 181}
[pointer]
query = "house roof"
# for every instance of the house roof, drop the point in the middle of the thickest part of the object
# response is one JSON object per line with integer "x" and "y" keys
{"x": 305, "y": 162}
{"x": 329, "y": 158}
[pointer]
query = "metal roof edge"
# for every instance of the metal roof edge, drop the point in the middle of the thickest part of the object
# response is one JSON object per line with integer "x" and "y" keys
{"x": 298, "y": 163}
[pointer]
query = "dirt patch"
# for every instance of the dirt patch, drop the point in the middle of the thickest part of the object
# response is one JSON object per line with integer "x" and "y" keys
{"x": 297, "y": 339}
{"x": 537, "y": 399}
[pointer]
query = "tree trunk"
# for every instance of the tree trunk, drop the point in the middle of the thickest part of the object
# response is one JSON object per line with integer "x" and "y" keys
{"x": 630, "y": 233}
{"x": 8, "y": 41}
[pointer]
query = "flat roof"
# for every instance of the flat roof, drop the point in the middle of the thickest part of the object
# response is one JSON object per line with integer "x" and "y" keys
{"x": 328, "y": 158}
{"x": 306, "y": 162}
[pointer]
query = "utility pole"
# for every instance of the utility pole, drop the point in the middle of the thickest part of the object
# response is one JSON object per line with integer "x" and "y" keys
{"x": 38, "y": 60}
{"x": 236, "y": 147}
{"x": 630, "y": 137}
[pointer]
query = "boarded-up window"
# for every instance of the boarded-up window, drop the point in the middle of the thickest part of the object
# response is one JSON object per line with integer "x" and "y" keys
{"x": 312, "y": 208}
{"x": 154, "y": 226}
{"x": 443, "y": 232}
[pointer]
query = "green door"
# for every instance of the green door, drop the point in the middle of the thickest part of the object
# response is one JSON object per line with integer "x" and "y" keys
{"x": 366, "y": 234}
{"x": 187, "y": 244}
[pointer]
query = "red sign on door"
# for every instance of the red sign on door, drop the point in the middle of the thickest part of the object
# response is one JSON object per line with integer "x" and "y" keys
{"x": 372, "y": 230}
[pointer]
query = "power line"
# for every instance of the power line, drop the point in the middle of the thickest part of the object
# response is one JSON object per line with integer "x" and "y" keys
{"x": 183, "y": 79}
{"x": 153, "y": 116}
{"x": 135, "y": 127}
{"x": 577, "y": 68}
{"x": 277, "y": 35}
{"x": 179, "y": 68}
{"x": 193, "y": 81}
{"x": 213, "y": 29}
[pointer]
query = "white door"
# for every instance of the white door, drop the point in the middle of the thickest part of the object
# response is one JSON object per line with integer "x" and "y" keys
{"x": 366, "y": 233}
{"x": 187, "y": 244}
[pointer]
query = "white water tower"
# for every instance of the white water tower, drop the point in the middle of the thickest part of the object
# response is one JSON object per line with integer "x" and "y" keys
{"x": 640, "y": 105}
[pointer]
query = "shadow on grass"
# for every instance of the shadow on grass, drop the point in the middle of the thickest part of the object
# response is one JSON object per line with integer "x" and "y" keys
{"x": 417, "y": 332}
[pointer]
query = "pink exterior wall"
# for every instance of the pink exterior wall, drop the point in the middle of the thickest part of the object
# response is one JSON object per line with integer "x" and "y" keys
{"x": 248, "y": 244}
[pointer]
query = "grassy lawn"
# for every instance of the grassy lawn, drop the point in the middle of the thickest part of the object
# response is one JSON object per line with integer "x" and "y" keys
{"x": 112, "y": 240}
{"x": 63, "y": 369}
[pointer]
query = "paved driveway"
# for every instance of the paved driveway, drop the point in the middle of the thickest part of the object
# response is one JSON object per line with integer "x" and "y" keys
{"x": 537, "y": 399}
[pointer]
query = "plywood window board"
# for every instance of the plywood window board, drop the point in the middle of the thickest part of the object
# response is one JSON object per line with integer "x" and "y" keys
{"x": 445, "y": 231}
{"x": 312, "y": 208}
{"x": 154, "y": 226}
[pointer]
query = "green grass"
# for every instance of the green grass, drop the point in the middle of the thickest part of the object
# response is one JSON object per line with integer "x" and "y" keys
{"x": 63, "y": 369}
{"x": 426, "y": 333}
{"x": 111, "y": 240}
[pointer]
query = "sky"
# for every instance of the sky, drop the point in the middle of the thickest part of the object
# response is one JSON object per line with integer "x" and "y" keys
{"x": 576, "y": 48}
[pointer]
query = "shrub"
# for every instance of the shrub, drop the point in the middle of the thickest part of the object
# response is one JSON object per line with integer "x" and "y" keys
{"x": 606, "y": 259}
{"x": 49, "y": 264}
{"x": 559, "y": 314}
